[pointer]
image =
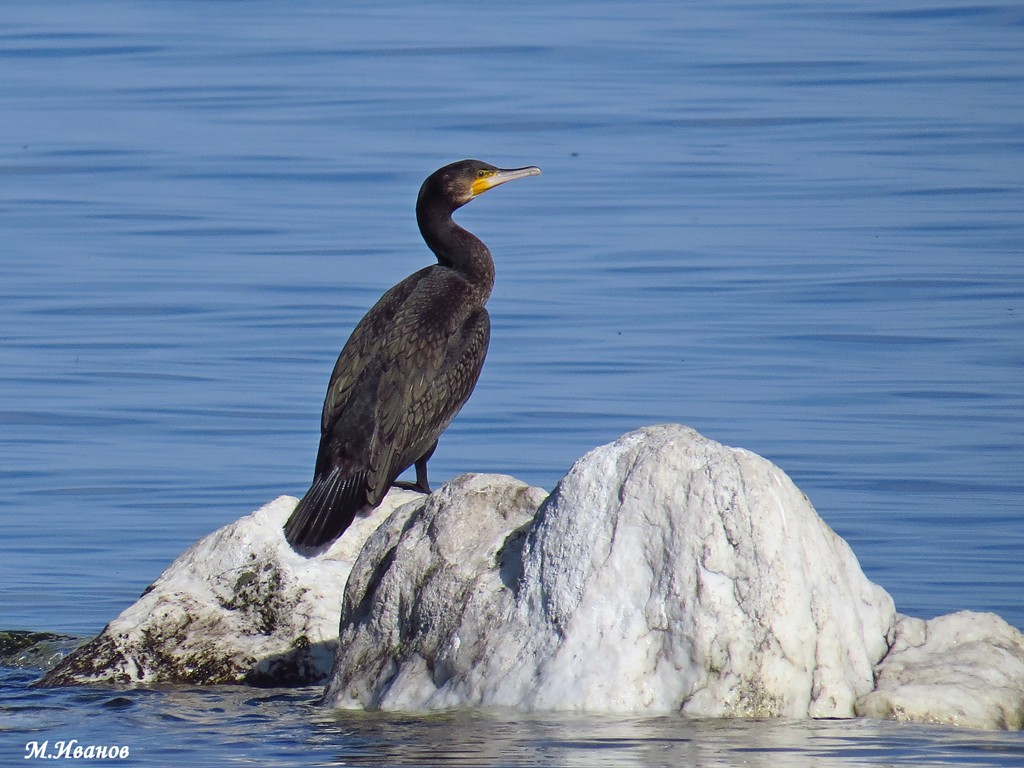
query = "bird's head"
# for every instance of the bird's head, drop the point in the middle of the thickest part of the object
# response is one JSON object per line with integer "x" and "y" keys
{"x": 460, "y": 182}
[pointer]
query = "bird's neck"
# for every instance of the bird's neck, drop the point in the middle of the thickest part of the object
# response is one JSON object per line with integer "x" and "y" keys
{"x": 457, "y": 248}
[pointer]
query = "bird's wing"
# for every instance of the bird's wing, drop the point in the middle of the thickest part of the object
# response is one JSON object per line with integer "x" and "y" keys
{"x": 370, "y": 335}
{"x": 424, "y": 385}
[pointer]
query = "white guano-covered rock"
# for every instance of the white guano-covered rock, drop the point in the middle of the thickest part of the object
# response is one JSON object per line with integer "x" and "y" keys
{"x": 964, "y": 668}
{"x": 666, "y": 572}
{"x": 240, "y": 605}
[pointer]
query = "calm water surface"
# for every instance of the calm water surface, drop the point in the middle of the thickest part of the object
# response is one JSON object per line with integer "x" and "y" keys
{"x": 794, "y": 226}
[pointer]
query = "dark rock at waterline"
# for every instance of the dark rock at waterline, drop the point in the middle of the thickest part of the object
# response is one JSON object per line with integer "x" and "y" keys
{"x": 36, "y": 650}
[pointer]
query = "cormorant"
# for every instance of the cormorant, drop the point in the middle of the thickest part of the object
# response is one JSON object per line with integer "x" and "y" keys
{"x": 408, "y": 367}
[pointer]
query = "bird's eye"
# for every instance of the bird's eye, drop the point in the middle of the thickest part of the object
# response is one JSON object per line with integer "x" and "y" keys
{"x": 481, "y": 173}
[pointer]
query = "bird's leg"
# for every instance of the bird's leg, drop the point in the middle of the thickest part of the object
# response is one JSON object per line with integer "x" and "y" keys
{"x": 421, "y": 485}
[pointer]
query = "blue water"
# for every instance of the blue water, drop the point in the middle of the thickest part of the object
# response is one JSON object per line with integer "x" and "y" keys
{"x": 797, "y": 227}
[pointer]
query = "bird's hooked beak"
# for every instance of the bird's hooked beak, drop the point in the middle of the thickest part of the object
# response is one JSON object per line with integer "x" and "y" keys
{"x": 488, "y": 179}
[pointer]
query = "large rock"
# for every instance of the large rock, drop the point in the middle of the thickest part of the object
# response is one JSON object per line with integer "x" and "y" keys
{"x": 666, "y": 572}
{"x": 238, "y": 606}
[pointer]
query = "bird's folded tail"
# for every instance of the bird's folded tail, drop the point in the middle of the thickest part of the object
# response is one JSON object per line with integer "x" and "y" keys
{"x": 327, "y": 509}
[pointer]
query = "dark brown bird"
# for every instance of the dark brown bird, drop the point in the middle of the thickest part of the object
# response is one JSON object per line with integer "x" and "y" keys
{"x": 408, "y": 367}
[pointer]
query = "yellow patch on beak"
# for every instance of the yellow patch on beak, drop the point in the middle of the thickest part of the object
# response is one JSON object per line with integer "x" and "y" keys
{"x": 482, "y": 183}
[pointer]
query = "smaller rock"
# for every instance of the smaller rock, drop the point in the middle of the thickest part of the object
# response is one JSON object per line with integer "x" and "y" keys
{"x": 429, "y": 596}
{"x": 239, "y": 606}
{"x": 964, "y": 668}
